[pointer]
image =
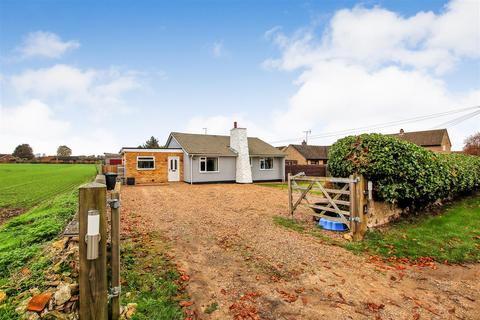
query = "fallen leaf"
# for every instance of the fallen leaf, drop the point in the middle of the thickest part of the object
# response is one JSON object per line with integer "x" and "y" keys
{"x": 185, "y": 303}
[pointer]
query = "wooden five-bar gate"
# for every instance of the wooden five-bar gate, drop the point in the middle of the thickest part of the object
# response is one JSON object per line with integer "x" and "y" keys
{"x": 335, "y": 199}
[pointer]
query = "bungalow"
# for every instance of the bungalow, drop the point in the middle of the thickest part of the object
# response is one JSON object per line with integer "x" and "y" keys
{"x": 202, "y": 158}
{"x": 434, "y": 140}
{"x": 304, "y": 154}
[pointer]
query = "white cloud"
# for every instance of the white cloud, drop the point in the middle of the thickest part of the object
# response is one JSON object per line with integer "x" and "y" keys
{"x": 99, "y": 90}
{"x": 32, "y": 120}
{"x": 218, "y": 49}
{"x": 375, "y": 37}
{"x": 221, "y": 125}
{"x": 45, "y": 44}
{"x": 372, "y": 66}
{"x": 35, "y": 123}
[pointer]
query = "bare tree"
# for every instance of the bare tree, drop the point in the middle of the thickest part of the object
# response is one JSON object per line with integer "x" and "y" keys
{"x": 472, "y": 145}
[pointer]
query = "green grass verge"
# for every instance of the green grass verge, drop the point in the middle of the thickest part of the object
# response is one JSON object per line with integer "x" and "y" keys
{"x": 305, "y": 228}
{"x": 26, "y": 185}
{"x": 284, "y": 186}
{"x": 22, "y": 237}
{"x": 22, "y": 240}
{"x": 453, "y": 236}
{"x": 150, "y": 280}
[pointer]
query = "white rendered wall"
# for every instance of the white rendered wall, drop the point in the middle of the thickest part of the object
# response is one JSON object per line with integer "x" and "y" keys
{"x": 239, "y": 142}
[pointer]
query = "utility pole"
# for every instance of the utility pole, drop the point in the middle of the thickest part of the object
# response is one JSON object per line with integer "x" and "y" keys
{"x": 307, "y": 132}
{"x": 204, "y": 130}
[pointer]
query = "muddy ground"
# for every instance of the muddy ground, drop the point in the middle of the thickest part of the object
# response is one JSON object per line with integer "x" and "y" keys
{"x": 8, "y": 213}
{"x": 224, "y": 237}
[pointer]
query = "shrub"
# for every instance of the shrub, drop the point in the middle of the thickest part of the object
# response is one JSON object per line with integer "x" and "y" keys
{"x": 403, "y": 172}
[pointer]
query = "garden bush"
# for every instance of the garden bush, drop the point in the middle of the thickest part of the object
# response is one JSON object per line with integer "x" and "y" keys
{"x": 402, "y": 172}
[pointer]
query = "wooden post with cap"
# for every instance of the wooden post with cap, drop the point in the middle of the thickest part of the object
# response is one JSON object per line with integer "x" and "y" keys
{"x": 93, "y": 273}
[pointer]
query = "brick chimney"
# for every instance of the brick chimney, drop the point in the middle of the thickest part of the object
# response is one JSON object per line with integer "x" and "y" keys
{"x": 239, "y": 143}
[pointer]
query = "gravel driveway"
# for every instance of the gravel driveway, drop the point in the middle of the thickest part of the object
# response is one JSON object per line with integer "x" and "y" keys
{"x": 224, "y": 237}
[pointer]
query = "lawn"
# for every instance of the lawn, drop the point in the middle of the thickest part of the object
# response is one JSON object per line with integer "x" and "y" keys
{"x": 26, "y": 185}
{"x": 284, "y": 186}
{"x": 453, "y": 235}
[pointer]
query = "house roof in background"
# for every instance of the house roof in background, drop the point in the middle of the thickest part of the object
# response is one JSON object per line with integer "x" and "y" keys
{"x": 112, "y": 155}
{"x": 220, "y": 145}
{"x": 425, "y": 138}
{"x": 310, "y": 152}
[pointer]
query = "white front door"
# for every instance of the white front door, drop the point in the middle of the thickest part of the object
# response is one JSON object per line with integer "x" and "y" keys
{"x": 173, "y": 169}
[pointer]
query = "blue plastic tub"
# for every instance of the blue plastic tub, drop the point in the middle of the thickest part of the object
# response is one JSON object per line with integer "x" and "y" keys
{"x": 332, "y": 225}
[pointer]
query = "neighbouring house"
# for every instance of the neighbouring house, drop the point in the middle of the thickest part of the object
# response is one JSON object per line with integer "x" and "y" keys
{"x": 7, "y": 158}
{"x": 202, "y": 158}
{"x": 305, "y": 154}
{"x": 435, "y": 140}
{"x": 113, "y": 159}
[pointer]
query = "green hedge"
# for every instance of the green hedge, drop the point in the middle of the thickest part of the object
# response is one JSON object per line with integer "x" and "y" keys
{"x": 403, "y": 172}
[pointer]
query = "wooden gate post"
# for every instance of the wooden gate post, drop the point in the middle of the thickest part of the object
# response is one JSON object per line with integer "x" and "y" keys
{"x": 361, "y": 226}
{"x": 93, "y": 273}
{"x": 353, "y": 205}
{"x": 115, "y": 257}
{"x": 290, "y": 196}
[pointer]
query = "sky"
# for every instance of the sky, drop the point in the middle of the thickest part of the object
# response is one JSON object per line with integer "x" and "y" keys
{"x": 100, "y": 75}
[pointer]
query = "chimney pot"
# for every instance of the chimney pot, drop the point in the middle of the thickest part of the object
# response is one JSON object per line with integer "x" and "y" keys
{"x": 235, "y": 124}
{"x": 402, "y": 131}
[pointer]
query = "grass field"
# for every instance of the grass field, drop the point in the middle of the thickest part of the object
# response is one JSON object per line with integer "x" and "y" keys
{"x": 47, "y": 193}
{"x": 26, "y": 185}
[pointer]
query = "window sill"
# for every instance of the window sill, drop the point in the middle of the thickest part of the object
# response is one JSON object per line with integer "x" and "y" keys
{"x": 145, "y": 169}
{"x": 208, "y": 171}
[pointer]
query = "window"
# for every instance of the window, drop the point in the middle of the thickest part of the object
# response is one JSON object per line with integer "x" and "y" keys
{"x": 145, "y": 163}
{"x": 313, "y": 161}
{"x": 208, "y": 164}
{"x": 266, "y": 163}
{"x": 291, "y": 162}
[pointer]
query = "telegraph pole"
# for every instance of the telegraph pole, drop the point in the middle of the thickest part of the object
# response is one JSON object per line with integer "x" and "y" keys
{"x": 307, "y": 132}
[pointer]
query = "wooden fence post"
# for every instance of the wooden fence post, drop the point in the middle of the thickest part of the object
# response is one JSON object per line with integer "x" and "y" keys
{"x": 353, "y": 205}
{"x": 361, "y": 225}
{"x": 290, "y": 196}
{"x": 115, "y": 256}
{"x": 93, "y": 273}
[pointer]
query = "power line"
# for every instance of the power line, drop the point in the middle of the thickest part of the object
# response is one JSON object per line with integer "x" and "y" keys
{"x": 383, "y": 125}
{"x": 458, "y": 120}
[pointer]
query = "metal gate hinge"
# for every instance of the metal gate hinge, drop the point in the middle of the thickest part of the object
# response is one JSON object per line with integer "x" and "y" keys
{"x": 115, "y": 292}
{"x": 356, "y": 219}
{"x": 114, "y": 203}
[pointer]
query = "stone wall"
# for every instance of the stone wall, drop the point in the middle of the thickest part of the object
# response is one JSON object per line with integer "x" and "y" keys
{"x": 381, "y": 213}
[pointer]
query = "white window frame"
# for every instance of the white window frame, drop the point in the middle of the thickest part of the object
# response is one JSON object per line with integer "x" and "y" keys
{"x": 200, "y": 164}
{"x": 263, "y": 159}
{"x": 151, "y": 157}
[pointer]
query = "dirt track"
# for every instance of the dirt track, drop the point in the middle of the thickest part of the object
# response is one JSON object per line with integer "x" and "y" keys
{"x": 224, "y": 237}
